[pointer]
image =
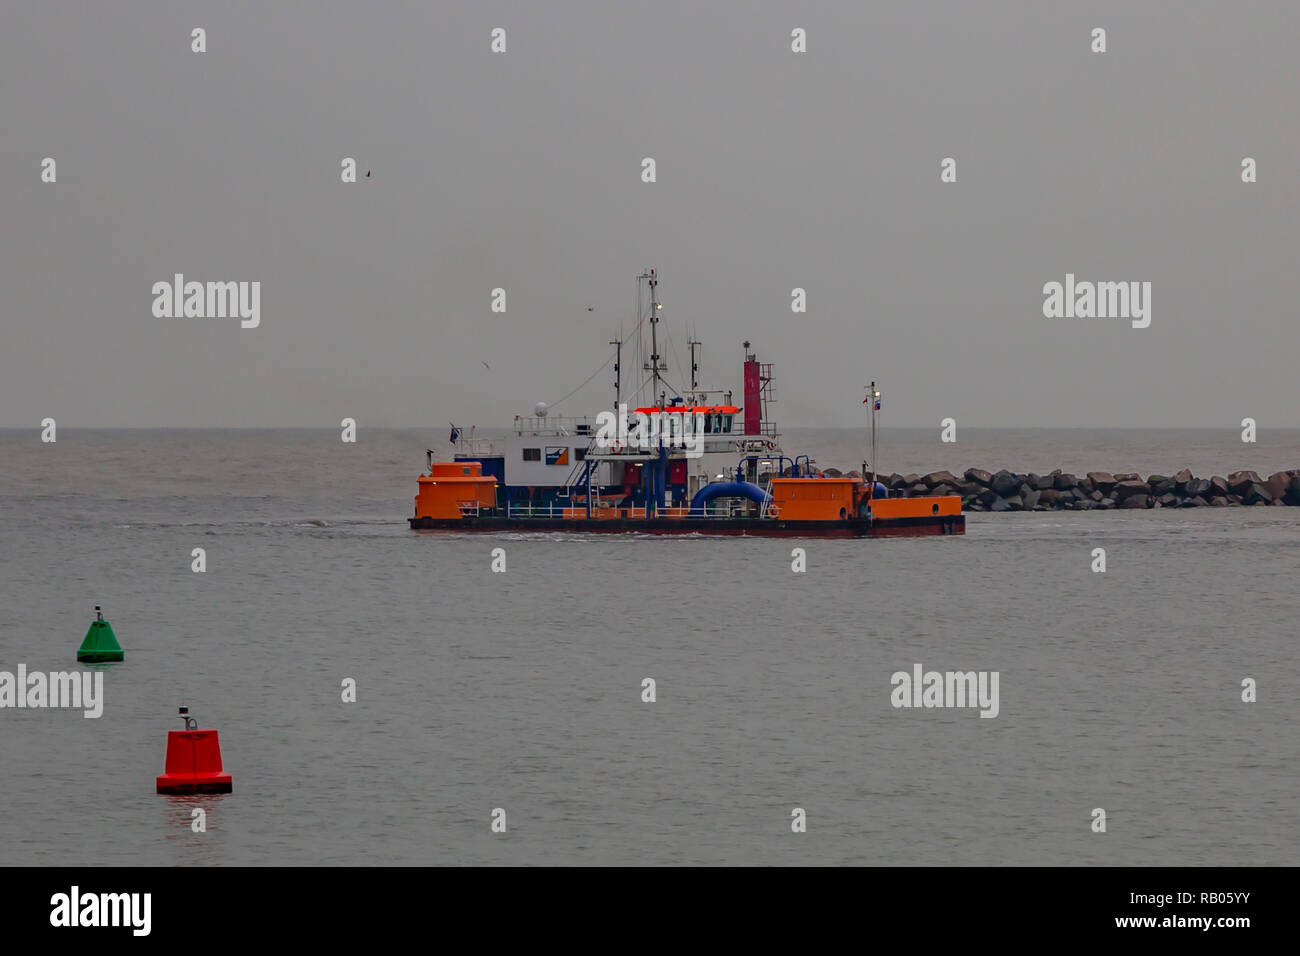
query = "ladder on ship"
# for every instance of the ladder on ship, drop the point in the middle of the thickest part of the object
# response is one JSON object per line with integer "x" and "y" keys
{"x": 581, "y": 471}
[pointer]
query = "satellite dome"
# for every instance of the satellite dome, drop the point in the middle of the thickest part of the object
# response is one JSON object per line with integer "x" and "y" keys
{"x": 540, "y": 409}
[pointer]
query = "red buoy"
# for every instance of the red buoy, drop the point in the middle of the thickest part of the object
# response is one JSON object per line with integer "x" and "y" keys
{"x": 193, "y": 761}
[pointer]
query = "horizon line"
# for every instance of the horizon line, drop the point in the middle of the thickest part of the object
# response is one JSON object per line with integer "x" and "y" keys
{"x": 510, "y": 428}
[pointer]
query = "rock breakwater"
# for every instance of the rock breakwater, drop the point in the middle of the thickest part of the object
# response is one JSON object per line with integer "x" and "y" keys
{"x": 1061, "y": 491}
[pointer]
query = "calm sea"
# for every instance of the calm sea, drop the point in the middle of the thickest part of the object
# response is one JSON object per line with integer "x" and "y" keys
{"x": 522, "y": 690}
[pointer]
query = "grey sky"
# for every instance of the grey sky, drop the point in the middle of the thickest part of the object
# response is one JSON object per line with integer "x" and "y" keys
{"x": 522, "y": 170}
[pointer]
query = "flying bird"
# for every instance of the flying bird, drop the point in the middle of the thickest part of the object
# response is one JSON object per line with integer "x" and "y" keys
{"x": 485, "y": 364}
{"x": 367, "y": 174}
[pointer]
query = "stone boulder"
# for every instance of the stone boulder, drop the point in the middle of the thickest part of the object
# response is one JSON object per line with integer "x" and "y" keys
{"x": 1048, "y": 496}
{"x": 1239, "y": 482}
{"x": 999, "y": 504}
{"x": 936, "y": 478}
{"x": 1065, "y": 481}
{"x": 1197, "y": 488}
{"x": 1031, "y": 500}
{"x": 1182, "y": 479}
{"x": 1103, "y": 481}
{"x": 978, "y": 476}
{"x": 1167, "y": 500}
{"x": 1196, "y": 502}
{"x": 1128, "y": 476}
{"x": 1218, "y": 501}
{"x": 1256, "y": 494}
{"x": 1135, "y": 500}
{"x": 1277, "y": 483}
{"x": 1005, "y": 483}
{"x": 1293, "y": 491}
{"x": 1218, "y": 487}
{"x": 1131, "y": 487}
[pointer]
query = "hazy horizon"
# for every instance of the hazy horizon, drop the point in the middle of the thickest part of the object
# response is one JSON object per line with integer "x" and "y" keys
{"x": 1294, "y": 431}
{"x": 522, "y": 170}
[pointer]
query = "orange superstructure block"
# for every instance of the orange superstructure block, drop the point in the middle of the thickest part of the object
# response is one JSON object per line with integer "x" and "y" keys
{"x": 814, "y": 499}
{"x": 453, "y": 489}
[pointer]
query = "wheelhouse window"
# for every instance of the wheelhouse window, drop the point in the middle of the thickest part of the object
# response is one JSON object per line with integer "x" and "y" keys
{"x": 580, "y": 454}
{"x": 532, "y": 454}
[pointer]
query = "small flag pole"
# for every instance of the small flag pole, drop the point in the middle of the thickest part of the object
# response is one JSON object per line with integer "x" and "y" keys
{"x": 873, "y": 396}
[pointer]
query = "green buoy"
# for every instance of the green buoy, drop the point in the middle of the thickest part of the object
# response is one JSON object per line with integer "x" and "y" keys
{"x": 100, "y": 645}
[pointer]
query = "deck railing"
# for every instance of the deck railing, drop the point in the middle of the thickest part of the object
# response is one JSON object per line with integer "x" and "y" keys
{"x": 480, "y": 447}
{"x": 528, "y": 510}
{"x": 554, "y": 425}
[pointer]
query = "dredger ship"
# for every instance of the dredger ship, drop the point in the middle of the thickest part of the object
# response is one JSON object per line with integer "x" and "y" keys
{"x": 686, "y": 461}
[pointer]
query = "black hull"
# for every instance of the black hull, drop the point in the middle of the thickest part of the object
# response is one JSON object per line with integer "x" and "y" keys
{"x": 763, "y": 527}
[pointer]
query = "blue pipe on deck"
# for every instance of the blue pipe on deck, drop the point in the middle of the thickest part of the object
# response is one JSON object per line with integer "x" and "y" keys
{"x": 727, "y": 489}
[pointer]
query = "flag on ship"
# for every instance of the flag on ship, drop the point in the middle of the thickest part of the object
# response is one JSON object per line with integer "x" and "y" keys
{"x": 455, "y": 434}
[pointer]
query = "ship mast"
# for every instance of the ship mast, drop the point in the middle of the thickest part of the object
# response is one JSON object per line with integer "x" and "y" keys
{"x": 654, "y": 368}
{"x": 656, "y": 468}
{"x": 618, "y": 362}
{"x": 873, "y": 396}
{"x": 695, "y": 368}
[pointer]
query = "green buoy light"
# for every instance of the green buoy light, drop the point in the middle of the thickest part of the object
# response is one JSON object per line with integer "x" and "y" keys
{"x": 100, "y": 645}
